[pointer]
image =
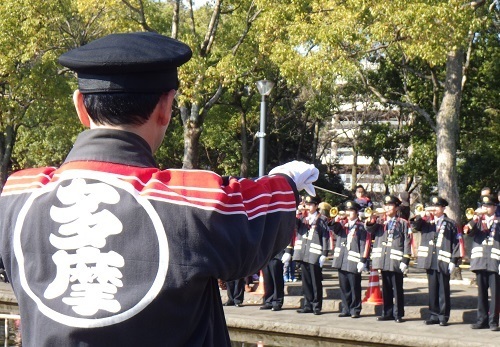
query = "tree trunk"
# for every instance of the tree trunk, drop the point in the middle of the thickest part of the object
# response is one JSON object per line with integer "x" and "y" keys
{"x": 8, "y": 139}
{"x": 175, "y": 19}
{"x": 192, "y": 132}
{"x": 354, "y": 169}
{"x": 447, "y": 123}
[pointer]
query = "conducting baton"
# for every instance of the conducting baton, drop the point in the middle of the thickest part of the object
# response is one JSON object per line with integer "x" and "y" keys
{"x": 329, "y": 191}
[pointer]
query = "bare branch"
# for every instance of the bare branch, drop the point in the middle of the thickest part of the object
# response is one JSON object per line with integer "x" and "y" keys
{"x": 250, "y": 19}
{"x": 140, "y": 12}
{"x": 467, "y": 59}
{"x": 212, "y": 100}
{"x": 211, "y": 30}
{"x": 474, "y": 4}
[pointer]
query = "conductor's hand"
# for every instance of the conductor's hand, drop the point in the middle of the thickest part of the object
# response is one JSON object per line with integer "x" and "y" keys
{"x": 301, "y": 173}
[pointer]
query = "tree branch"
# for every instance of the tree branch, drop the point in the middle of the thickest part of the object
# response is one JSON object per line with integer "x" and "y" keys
{"x": 411, "y": 106}
{"x": 210, "y": 103}
{"x": 140, "y": 12}
{"x": 250, "y": 20}
{"x": 467, "y": 59}
{"x": 211, "y": 30}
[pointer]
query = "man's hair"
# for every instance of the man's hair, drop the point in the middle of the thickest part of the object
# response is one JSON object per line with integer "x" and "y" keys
{"x": 120, "y": 108}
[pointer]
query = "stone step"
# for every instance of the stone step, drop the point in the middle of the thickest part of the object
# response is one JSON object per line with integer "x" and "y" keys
{"x": 463, "y": 297}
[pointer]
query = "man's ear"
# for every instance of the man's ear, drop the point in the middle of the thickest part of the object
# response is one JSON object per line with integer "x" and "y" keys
{"x": 167, "y": 102}
{"x": 80, "y": 108}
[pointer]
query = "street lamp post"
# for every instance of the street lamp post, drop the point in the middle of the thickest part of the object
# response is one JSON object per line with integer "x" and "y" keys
{"x": 264, "y": 87}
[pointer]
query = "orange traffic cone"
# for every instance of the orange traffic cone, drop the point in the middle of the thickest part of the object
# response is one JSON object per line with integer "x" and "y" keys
{"x": 260, "y": 286}
{"x": 373, "y": 293}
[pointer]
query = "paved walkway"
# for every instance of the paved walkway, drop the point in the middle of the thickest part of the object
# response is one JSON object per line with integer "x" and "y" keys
{"x": 306, "y": 330}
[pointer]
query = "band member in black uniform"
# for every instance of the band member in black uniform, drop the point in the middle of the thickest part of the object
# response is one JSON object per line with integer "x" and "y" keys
{"x": 235, "y": 292}
{"x": 310, "y": 250}
{"x": 390, "y": 254}
{"x": 350, "y": 257}
{"x": 274, "y": 284}
{"x": 438, "y": 253}
{"x": 485, "y": 262}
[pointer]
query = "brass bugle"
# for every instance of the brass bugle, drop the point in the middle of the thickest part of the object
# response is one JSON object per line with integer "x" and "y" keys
{"x": 334, "y": 212}
{"x": 470, "y": 212}
{"x": 370, "y": 212}
{"x": 419, "y": 208}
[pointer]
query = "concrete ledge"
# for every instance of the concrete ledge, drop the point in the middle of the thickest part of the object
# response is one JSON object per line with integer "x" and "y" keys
{"x": 365, "y": 330}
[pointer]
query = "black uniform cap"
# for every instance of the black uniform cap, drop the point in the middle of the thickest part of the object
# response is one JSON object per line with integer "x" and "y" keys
{"x": 488, "y": 200}
{"x": 438, "y": 201}
{"x": 351, "y": 205}
{"x": 391, "y": 200}
{"x": 141, "y": 62}
{"x": 313, "y": 200}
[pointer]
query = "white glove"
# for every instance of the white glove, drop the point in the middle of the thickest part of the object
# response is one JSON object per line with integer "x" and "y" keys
{"x": 285, "y": 259}
{"x": 322, "y": 260}
{"x": 402, "y": 267}
{"x": 499, "y": 269}
{"x": 360, "y": 266}
{"x": 301, "y": 173}
{"x": 451, "y": 267}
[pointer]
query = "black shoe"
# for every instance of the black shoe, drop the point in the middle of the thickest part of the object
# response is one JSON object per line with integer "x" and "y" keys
{"x": 494, "y": 327}
{"x": 355, "y": 316}
{"x": 443, "y": 324}
{"x": 431, "y": 322}
{"x": 317, "y": 312}
{"x": 238, "y": 305}
{"x": 479, "y": 326}
{"x": 399, "y": 320}
{"x": 265, "y": 307}
{"x": 303, "y": 310}
{"x": 382, "y": 318}
{"x": 277, "y": 308}
{"x": 344, "y": 314}
{"x": 229, "y": 303}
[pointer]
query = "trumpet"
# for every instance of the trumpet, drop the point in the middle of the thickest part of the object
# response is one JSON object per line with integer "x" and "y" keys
{"x": 470, "y": 212}
{"x": 371, "y": 213}
{"x": 419, "y": 208}
{"x": 334, "y": 212}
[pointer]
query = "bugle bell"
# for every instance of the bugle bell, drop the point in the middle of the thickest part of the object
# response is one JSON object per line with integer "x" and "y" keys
{"x": 470, "y": 213}
{"x": 374, "y": 213}
{"x": 334, "y": 212}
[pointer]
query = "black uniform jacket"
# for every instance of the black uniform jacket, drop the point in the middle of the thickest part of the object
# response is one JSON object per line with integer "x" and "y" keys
{"x": 441, "y": 241}
{"x": 108, "y": 250}
{"x": 391, "y": 244}
{"x": 485, "y": 252}
{"x": 312, "y": 240}
{"x": 351, "y": 246}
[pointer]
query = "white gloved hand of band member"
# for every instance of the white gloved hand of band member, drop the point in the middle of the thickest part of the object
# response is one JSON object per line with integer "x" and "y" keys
{"x": 285, "y": 258}
{"x": 301, "y": 173}
{"x": 499, "y": 269}
{"x": 322, "y": 260}
{"x": 402, "y": 267}
{"x": 360, "y": 266}
{"x": 451, "y": 267}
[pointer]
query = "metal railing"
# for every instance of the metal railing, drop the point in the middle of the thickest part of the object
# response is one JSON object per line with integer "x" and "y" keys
{"x": 6, "y": 318}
